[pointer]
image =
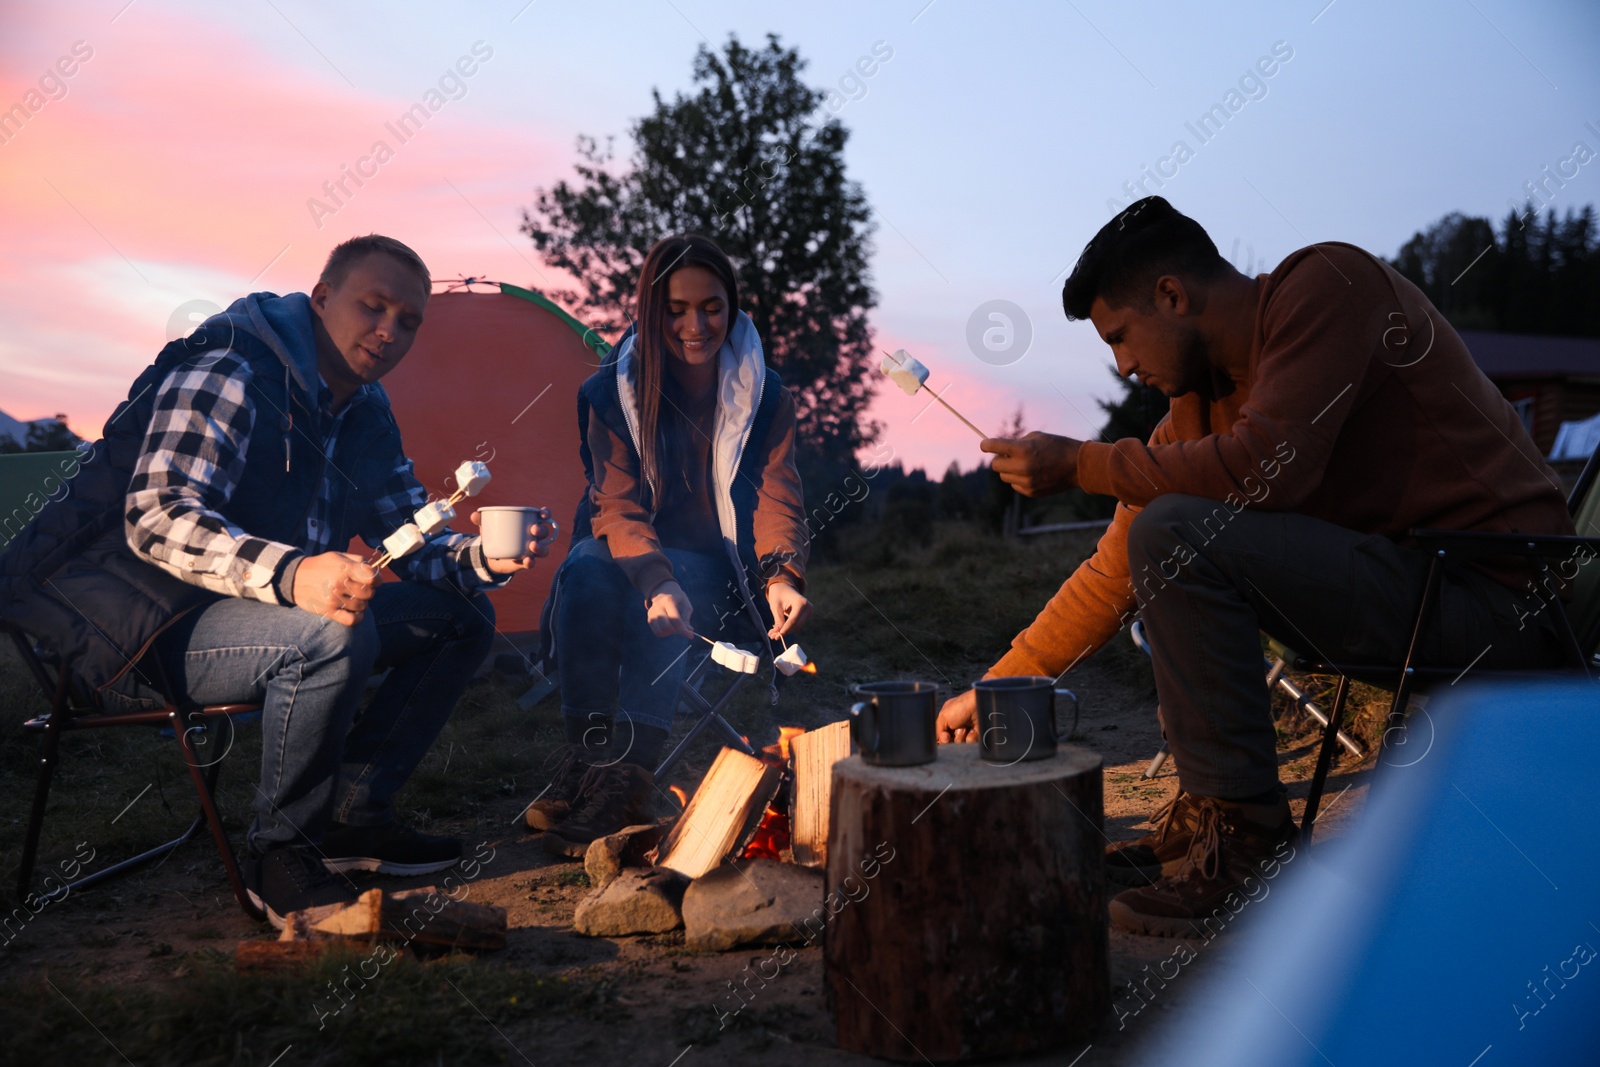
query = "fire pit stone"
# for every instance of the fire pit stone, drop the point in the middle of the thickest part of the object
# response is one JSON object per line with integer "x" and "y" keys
{"x": 757, "y": 902}
{"x": 640, "y": 900}
{"x": 608, "y": 856}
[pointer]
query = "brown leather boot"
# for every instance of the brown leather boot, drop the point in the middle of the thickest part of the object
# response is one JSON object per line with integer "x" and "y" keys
{"x": 570, "y": 763}
{"x": 610, "y": 798}
{"x": 1159, "y": 853}
{"x": 1234, "y": 853}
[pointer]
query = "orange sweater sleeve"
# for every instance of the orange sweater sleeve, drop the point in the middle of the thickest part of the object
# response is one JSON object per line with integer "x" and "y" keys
{"x": 1317, "y": 341}
{"x": 1091, "y": 605}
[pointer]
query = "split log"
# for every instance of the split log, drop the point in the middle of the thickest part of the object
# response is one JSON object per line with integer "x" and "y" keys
{"x": 722, "y": 816}
{"x": 966, "y": 907}
{"x": 815, "y": 753}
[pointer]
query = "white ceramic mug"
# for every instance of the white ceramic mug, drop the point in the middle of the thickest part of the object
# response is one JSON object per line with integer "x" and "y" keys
{"x": 505, "y": 531}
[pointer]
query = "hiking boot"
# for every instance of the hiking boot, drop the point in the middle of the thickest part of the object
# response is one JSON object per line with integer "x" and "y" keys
{"x": 555, "y": 802}
{"x": 611, "y": 797}
{"x": 291, "y": 878}
{"x": 1159, "y": 853}
{"x": 388, "y": 849}
{"x": 1234, "y": 849}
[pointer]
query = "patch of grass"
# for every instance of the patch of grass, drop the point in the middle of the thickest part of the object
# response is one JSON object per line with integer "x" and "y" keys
{"x": 409, "y": 1013}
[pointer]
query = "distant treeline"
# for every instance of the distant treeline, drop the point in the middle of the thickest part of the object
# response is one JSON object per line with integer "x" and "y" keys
{"x": 1536, "y": 275}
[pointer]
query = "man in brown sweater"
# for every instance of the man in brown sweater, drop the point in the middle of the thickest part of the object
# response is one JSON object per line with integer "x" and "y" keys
{"x": 1318, "y": 413}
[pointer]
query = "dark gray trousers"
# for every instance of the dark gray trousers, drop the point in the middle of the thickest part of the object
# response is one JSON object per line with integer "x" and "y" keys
{"x": 1209, "y": 578}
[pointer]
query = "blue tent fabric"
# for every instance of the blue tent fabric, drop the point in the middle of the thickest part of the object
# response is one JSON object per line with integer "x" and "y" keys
{"x": 1457, "y": 923}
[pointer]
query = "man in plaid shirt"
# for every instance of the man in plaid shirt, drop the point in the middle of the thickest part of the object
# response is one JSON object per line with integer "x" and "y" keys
{"x": 267, "y": 444}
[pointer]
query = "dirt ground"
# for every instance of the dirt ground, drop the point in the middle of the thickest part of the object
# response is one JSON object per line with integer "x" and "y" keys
{"x": 155, "y": 928}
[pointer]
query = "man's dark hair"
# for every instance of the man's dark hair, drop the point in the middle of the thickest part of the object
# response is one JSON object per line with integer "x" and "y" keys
{"x": 344, "y": 257}
{"x": 1121, "y": 263}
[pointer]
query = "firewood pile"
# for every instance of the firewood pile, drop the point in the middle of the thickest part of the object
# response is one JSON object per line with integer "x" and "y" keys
{"x": 742, "y": 865}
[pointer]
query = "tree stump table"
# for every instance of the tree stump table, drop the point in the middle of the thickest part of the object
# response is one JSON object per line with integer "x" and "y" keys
{"x": 966, "y": 909}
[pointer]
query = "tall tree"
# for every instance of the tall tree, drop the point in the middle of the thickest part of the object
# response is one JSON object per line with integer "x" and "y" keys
{"x": 744, "y": 160}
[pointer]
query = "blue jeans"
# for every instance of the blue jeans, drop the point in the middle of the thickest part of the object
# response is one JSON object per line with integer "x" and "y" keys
{"x": 323, "y": 758}
{"x": 610, "y": 662}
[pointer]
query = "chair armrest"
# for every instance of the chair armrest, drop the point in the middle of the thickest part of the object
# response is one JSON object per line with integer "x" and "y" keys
{"x": 1476, "y": 543}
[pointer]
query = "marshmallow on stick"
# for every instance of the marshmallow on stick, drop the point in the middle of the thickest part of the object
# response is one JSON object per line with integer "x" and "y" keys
{"x": 905, "y": 370}
{"x": 910, "y": 375}
{"x": 404, "y": 541}
{"x": 431, "y": 518}
{"x": 471, "y": 476}
{"x": 735, "y": 659}
{"x": 792, "y": 660}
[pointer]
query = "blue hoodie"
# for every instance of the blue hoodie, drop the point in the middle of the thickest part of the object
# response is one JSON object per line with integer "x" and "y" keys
{"x": 71, "y": 580}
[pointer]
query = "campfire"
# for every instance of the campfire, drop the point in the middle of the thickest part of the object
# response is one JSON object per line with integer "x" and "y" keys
{"x": 772, "y": 805}
{"x": 753, "y": 819}
{"x": 772, "y": 837}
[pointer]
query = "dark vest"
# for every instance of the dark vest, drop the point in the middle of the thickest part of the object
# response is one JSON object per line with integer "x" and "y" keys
{"x": 598, "y": 394}
{"x": 70, "y": 578}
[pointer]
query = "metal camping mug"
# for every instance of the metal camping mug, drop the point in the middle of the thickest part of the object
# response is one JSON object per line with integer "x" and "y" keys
{"x": 1016, "y": 718}
{"x": 893, "y": 726}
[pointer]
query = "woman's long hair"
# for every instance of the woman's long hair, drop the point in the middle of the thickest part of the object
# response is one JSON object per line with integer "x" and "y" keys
{"x": 662, "y": 432}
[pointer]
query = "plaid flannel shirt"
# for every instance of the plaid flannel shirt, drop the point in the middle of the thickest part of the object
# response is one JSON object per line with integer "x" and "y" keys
{"x": 190, "y": 465}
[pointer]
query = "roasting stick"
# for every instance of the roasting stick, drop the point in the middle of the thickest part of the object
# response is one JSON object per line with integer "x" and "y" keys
{"x": 470, "y": 477}
{"x": 910, "y": 375}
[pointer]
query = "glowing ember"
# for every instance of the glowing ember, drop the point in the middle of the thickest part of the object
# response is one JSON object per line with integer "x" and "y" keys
{"x": 771, "y": 839}
{"x": 810, "y": 668}
{"x": 677, "y": 791}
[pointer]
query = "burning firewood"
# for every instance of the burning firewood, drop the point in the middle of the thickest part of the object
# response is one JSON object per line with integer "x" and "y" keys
{"x": 722, "y": 816}
{"x": 815, "y": 753}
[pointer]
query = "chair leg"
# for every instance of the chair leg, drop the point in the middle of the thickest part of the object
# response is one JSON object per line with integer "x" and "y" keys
{"x": 49, "y": 753}
{"x": 708, "y": 714}
{"x": 1158, "y": 761}
{"x": 1330, "y": 736}
{"x": 204, "y": 783}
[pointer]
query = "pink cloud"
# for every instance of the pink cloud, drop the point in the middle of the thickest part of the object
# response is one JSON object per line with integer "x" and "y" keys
{"x": 179, "y": 165}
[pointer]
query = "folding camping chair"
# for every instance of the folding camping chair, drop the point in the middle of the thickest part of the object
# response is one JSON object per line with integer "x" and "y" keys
{"x": 709, "y": 712}
{"x": 1578, "y": 625}
{"x": 69, "y": 711}
{"x": 1276, "y": 665}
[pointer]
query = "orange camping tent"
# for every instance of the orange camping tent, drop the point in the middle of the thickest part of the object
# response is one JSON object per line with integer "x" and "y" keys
{"x": 494, "y": 376}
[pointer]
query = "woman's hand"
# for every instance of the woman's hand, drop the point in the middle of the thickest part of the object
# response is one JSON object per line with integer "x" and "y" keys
{"x": 790, "y": 608}
{"x": 668, "y": 611}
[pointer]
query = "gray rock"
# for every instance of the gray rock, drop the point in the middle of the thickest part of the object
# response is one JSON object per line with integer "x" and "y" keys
{"x": 760, "y": 902}
{"x": 607, "y": 856}
{"x": 640, "y": 900}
